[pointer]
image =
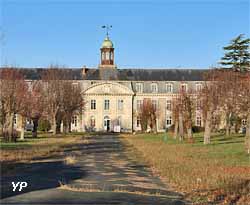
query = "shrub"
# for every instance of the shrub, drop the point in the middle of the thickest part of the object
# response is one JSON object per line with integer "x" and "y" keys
{"x": 44, "y": 125}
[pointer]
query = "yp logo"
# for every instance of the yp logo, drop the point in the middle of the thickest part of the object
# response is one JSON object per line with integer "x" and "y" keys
{"x": 20, "y": 184}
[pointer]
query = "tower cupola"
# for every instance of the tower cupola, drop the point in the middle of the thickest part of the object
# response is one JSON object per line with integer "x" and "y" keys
{"x": 107, "y": 51}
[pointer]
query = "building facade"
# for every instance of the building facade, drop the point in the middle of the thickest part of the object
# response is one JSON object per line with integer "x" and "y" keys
{"x": 113, "y": 96}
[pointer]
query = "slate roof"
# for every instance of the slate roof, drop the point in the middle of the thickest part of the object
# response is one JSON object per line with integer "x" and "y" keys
{"x": 124, "y": 74}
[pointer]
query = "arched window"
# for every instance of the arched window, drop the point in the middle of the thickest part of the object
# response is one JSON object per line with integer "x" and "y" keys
{"x": 107, "y": 55}
{"x": 103, "y": 55}
{"x": 111, "y": 55}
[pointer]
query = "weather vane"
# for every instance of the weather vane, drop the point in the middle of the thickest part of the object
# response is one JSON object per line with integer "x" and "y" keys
{"x": 108, "y": 27}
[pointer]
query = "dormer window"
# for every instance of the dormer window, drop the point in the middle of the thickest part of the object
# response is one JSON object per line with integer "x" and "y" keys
{"x": 198, "y": 87}
{"x": 184, "y": 87}
{"x": 139, "y": 87}
{"x": 169, "y": 87}
{"x": 154, "y": 88}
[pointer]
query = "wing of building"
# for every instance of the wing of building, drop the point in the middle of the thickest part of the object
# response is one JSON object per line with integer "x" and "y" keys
{"x": 114, "y": 95}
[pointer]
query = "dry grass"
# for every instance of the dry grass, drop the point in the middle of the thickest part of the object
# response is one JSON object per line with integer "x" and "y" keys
{"x": 36, "y": 148}
{"x": 202, "y": 173}
{"x": 69, "y": 160}
{"x": 117, "y": 188}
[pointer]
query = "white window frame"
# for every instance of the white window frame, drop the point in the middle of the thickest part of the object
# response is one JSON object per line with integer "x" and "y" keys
{"x": 169, "y": 105}
{"x": 106, "y": 104}
{"x": 154, "y": 87}
{"x": 139, "y": 87}
{"x": 93, "y": 104}
{"x": 198, "y": 87}
{"x": 198, "y": 121}
{"x": 168, "y": 120}
{"x": 171, "y": 87}
{"x": 184, "y": 85}
{"x": 74, "y": 120}
{"x": 138, "y": 104}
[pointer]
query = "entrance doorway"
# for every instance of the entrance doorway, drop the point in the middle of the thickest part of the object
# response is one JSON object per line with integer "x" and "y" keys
{"x": 106, "y": 123}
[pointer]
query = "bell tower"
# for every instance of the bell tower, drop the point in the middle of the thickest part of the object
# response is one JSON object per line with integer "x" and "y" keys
{"x": 107, "y": 50}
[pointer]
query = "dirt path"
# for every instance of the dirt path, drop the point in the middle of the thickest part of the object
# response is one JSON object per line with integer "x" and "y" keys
{"x": 104, "y": 173}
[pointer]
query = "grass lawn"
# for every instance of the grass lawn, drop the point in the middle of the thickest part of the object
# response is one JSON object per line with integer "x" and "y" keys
{"x": 43, "y": 145}
{"x": 219, "y": 172}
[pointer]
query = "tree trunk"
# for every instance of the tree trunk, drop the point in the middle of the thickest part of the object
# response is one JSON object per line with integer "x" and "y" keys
{"x": 54, "y": 124}
{"x": 247, "y": 139}
{"x": 181, "y": 129}
{"x": 35, "y": 125}
{"x": 176, "y": 127}
{"x": 9, "y": 128}
{"x": 22, "y": 128}
{"x": 69, "y": 126}
{"x": 227, "y": 130}
{"x": 228, "y": 127}
{"x": 207, "y": 133}
{"x": 189, "y": 133}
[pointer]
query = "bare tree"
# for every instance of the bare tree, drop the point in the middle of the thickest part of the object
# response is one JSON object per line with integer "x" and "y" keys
{"x": 209, "y": 96}
{"x": 244, "y": 104}
{"x": 188, "y": 107}
{"x": 72, "y": 102}
{"x": 148, "y": 115}
{"x": 12, "y": 93}
{"x": 52, "y": 79}
{"x": 227, "y": 84}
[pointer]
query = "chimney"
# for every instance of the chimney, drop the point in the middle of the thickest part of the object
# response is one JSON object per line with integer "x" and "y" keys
{"x": 84, "y": 71}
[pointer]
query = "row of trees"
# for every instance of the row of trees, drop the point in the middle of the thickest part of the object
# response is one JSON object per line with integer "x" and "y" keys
{"x": 53, "y": 97}
{"x": 223, "y": 100}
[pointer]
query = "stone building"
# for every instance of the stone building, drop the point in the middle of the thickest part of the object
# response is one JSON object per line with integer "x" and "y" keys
{"x": 113, "y": 95}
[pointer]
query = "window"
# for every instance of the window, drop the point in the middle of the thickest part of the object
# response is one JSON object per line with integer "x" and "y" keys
{"x": 154, "y": 88}
{"x": 169, "y": 87}
{"x": 106, "y": 104}
{"x": 198, "y": 121}
{"x": 15, "y": 119}
{"x": 198, "y": 87}
{"x": 93, "y": 104}
{"x": 198, "y": 104}
{"x": 154, "y": 104}
{"x": 138, "y": 122}
{"x": 139, "y": 87}
{"x": 92, "y": 121}
{"x": 107, "y": 55}
{"x": 138, "y": 104}
{"x": 74, "y": 120}
{"x": 184, "y": 87}
{"x": 103, "y": 55}
{"x": 169, "y": 105}
{"x": 111, "y": 56}
{"x": 120, "y": 104}
{"x": 169, "y": 120}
